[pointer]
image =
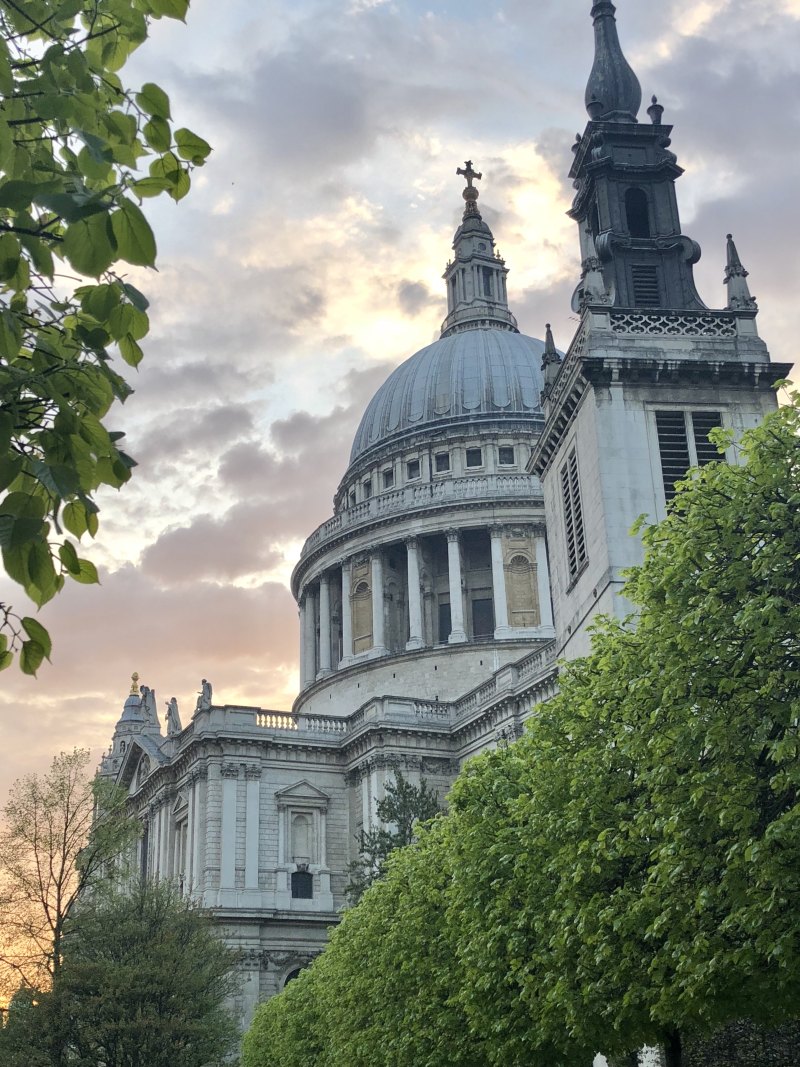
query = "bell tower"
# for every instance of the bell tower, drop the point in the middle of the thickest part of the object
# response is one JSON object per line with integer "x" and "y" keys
{"x": 651, "y": 369}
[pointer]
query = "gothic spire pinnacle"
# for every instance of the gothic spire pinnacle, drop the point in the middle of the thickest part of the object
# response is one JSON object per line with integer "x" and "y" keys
{"x": 613, "y": 93}
{"x": 470, "y": 194}
{"x": 739, "y": 296}
{"x": 551, "y": 361}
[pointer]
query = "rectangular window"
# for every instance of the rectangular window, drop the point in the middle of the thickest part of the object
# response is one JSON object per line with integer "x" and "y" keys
{"x": 388, "y": 479}
{"x": 302, "y": 885}
{"x": 646, "y": 289}
{"x": 573, "y": 515}
{"x": 413, "y": 469}
{"x": 506, "y": 456}
{"x": 367, "y": 488}
{"x": 474, "y": 457}
{"x": 444, "y": 622}
{"x": 683, "y": 443}
{"x": 442, "y": 462}
{"x": 482, "y": 618}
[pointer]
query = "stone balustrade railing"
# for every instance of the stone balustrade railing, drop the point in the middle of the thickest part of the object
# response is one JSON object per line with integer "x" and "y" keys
{"x": 416, "y": 497}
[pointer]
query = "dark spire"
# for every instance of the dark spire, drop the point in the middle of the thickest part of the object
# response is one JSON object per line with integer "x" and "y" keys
{"x": 613, "y": 93}
{"x": 739, "y": 295}
{"x": 551, "y": 361}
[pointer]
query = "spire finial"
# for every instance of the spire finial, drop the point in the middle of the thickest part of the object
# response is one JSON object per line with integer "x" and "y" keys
{"x": 134, "y": 684}
{"x": 613, "y": 93}
{"x": 739, "y": 295}
{"x": 470, "y": 194}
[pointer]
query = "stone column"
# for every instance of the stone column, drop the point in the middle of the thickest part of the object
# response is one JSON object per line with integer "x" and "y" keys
{"x": 347, "y": 616}
{"x": 324, "y": 627}
{"x": 230, "y": 784}
{"x": 543, "y": 580}
{"x": 252, "y": 826}
{"x": 309, "y": 639}
{"x": 457, "y": 632}
{"x": 415, "y": 629}
{"x": 378, "y": 628}
{"x": 301, "y": 606}
{"x": 502, "y": 628}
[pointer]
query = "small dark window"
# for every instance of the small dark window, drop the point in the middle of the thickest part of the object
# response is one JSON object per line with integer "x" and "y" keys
{"x": 506, "y": 456}
{"x": 388, "y": 479}
{"x": 474, "y": 457}
{"x": 453, "y": 290}
{"x": 573, "y": 515}
{"x": 302, "y": 885}
{"x": 442, "y": 462}
{"x": 367, "y": 488}
{"x": 413, "y": 469}
{"x": 638, "y": 211}
{"x": 445, "y": 625}
{"x": 482, "y": 618}
{"x": 487, "y": 283}
{"x": 352, "y": 498}
{"x": 646, "y": 289}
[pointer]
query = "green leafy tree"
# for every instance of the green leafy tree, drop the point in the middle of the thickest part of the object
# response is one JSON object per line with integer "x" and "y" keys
{"x": 384, "y": 990}
{"x": 402, "y": 807}
{"x": 78, "y": 152}
{"x": 645, "y": 838}
{"x": 145, "y": 982}
{"x": 62, "y": 834}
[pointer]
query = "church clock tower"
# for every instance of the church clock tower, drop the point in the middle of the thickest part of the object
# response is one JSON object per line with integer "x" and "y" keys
{"x": 651, "y": 370}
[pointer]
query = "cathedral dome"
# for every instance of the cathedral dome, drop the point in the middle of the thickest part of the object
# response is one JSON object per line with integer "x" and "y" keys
{"x": 469, "y": 377}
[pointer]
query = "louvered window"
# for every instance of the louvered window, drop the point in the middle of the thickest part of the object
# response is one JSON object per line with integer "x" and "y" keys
{"x": 683, "y": 443}
{"x": 573, "y": 515}
{"x": 646, "y": 290}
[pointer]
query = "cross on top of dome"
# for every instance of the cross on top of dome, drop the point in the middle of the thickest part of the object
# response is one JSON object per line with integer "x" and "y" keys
{"x": 470, "y": 194}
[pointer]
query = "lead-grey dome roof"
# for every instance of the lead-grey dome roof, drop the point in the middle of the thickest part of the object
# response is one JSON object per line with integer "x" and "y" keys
{"x": 469, "y": 377}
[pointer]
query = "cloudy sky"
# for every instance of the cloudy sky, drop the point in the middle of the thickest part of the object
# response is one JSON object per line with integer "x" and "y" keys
{"x": 307, "y": 263}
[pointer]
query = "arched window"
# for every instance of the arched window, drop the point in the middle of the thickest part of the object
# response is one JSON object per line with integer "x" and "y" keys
{"x": 290, "y": 977}
{"x": 637, "y": 210}
{"x": 301, "y": 838}
{"x": 362, "y": 618}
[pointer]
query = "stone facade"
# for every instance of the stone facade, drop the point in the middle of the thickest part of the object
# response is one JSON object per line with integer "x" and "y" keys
{"x": 481, "y": 525}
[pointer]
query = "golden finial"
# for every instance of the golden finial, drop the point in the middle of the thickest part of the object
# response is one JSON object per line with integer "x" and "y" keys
{"x": 135, "y": 684}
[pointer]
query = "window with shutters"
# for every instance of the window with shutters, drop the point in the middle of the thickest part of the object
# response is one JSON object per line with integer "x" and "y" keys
{"x": 646, "y": 286}
{"x": 683, "y": 443}
{"x": 573, "y": 515}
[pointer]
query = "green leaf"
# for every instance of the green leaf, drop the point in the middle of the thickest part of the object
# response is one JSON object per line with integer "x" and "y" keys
{"x": 9, "y": 256}
{"x": 88, "y": 246}
{"x": 173, "y": 9}
{"x": 191, "y": 147}
{"x": 146, "y": 187}
{"x": 75, "y": 519}
{"x": 31, "y": 656}
{"x": 135, "y": 241}
{"x": 17, "y": 195}
{"x": 87, "y": 574}
{"x": 157, "y": 134}
{"x": 69, "y": 557}
{"x": 36, "y": 632}
{"x": 100, "y": 300}
{"x": 139, "y": 300}
{"x": 130, "y": 351}
{"x": 153, "y": 101}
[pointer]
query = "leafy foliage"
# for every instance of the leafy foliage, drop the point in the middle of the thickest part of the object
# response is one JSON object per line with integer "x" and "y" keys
{"x": 73, "y": 143}
{"x": 627, "y": 873}
{"x": 60, "y": 833}
{"x": 399, "y": 810}
{"x": 144, "y": 983}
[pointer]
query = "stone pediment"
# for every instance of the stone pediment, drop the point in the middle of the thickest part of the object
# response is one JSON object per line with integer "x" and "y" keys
{"x": 303, "y": 793}
{"x": 139, "y": 748}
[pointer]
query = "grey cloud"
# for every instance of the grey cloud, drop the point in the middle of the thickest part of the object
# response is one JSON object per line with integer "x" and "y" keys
{"x": 414, "y": 297}
{"x": 210, "y": 548}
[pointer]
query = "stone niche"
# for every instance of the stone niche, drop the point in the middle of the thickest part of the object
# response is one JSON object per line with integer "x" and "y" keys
{"x": 519, "y": 564}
